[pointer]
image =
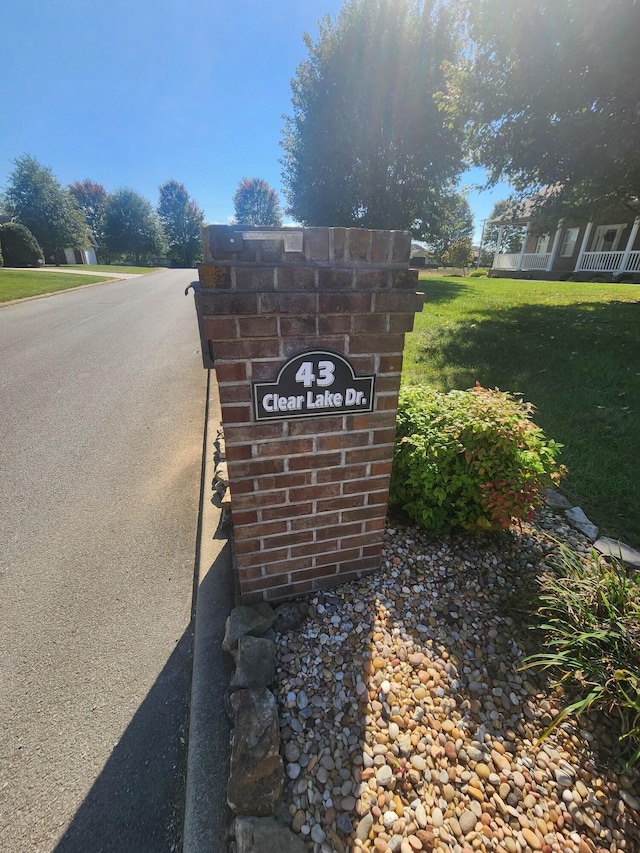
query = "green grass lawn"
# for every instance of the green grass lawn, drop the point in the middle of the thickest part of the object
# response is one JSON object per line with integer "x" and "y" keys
{"x": 17, "y": 284}
{"x": 106, "y": 268}
{"x": 571, "y": 349}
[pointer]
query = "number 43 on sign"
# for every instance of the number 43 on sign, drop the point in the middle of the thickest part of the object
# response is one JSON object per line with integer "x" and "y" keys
{"x": 312, "y": 384}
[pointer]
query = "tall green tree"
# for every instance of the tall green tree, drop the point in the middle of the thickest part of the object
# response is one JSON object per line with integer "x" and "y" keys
{"x": 131, "y": 227}
{"x": 368, "y": 143}
{"x": 91, "y": 198}
{"x": 549, "y": 92}
{"x": 181, "y": 219}
{"x": 36, "y": 199}
{"x": 454, "y": 222}
{"x": 256, "y": 203}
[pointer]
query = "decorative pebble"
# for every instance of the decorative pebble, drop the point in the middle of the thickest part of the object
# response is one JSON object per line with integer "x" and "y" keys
{"x": 384, "y": 775}
{"x": 467, "y": 822}
{"x": 407, "y": 723}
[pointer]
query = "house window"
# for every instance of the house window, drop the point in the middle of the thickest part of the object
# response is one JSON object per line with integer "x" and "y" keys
{"x": 542, "y": 244}
{"x": 607, "y": 237}
{"x": 569, "y": 243}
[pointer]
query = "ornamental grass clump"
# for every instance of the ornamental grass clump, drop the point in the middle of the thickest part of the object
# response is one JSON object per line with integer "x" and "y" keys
{"x": 589, "y": 613}
{"x": 469, "y": 459}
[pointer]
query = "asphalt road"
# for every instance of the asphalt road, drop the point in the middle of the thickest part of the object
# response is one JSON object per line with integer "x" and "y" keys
{"x": 102, "y": 397}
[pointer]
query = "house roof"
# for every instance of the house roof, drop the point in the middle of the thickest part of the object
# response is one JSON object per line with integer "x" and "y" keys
{"x": 523, "y": 210}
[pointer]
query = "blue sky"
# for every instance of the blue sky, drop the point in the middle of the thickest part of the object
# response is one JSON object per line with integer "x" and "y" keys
{"x": 135, "y": 92}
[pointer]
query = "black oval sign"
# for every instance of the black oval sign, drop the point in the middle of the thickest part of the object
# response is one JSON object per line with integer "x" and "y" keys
{"x": 310, "y": 385}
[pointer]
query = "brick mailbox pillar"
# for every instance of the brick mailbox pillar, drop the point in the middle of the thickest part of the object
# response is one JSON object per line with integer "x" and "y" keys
{"x": 306, "y": 329}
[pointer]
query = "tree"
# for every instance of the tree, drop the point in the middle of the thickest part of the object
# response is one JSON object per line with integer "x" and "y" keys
{"x": 131, "y": 226}
{"x": 459, "y": 254}
{"x": 91, "y": 198}
{"x": 548, "y": 89}
{"x": 455, "y": 222}
{"x": 512, "y": 235}
{"x": 39, "y": 202}
{"x": 19, "y": 247}
{"x": 255, "y": 203}
{"x": 181, "y": 219}
{"x": 368, "y": 144}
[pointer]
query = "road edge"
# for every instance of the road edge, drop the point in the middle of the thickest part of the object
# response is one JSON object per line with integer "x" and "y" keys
{"x": 207, "y": 816}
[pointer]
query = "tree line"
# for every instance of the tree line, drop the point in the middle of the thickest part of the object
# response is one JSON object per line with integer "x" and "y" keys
{"x": 396, "y": 98}
{"x": 120, "y": 226}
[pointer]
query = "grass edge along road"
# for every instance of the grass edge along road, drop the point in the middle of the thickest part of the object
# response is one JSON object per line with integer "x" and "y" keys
{"x": 570, "y": 348}
{"x": 112, "y": 268}
{"x": 20, "y": 284}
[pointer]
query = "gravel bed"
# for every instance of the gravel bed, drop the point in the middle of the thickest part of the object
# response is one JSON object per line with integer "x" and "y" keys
{"x": 408, "y": 724}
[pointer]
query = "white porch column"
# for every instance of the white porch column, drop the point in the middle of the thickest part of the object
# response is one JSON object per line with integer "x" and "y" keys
{"x": 498, "y": 244}
{"x": 554, "y": 248}
{"x": 583, "y": 247}
{"x": 524, "y": 245}
{"x": 630, "y": 242}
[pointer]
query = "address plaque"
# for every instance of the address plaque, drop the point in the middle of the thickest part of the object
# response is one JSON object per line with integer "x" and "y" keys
{"x": 313, "y": 384}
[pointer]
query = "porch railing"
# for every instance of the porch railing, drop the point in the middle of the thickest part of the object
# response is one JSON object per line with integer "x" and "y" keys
{"x": 633, "y": 262}
{"x": 530, "y": 261}
{"x": 537, "y": 261}
{"x": 591, "y": 262}
{"x": 609, "y": 262}
{"x": 601, "y": 261}
{"x": 506, "y": 262}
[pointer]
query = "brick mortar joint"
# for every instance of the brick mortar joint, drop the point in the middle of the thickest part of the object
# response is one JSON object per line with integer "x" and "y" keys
{"x": 347, "y": 266}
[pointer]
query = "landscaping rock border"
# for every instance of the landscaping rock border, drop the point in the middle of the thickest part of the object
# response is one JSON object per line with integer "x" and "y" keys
{"x": 396, "y": 717}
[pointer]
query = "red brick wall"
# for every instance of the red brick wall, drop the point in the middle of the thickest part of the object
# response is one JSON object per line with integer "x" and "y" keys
{"x": 309, "y": 496}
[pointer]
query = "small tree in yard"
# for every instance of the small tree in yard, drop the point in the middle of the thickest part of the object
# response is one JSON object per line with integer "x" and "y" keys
{"x": 459, "y": 254}
{"x": 256, "y": 203}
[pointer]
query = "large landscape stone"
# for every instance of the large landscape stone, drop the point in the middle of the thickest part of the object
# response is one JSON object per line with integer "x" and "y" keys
{"x": 576, "y": 518}
{"x": 556, "y": 501}
{"x": 256, "y": 775}
{"x": 614, "y": 548}
{"x": 263, "y": 835}
{"x": 290, "y": 616}
{"x": 255, "y": 663}
{"x": 252, "y": 619}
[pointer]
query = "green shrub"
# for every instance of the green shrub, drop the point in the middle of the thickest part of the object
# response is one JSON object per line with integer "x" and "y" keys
{"x": 470, "y": 459}
{"x": 1, "y": 258}
{"x": 590, "y": 614}
{"x": 19, "y": 247}
{"x": 599, "y": 279}
{"x": 479, "y": 273}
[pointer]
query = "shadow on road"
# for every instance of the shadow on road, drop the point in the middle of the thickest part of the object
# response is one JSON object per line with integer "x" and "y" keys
{"x": 136, "y": 803}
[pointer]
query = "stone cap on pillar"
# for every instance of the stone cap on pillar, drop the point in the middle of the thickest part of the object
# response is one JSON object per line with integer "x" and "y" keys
{"x": 339, "y": 248}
